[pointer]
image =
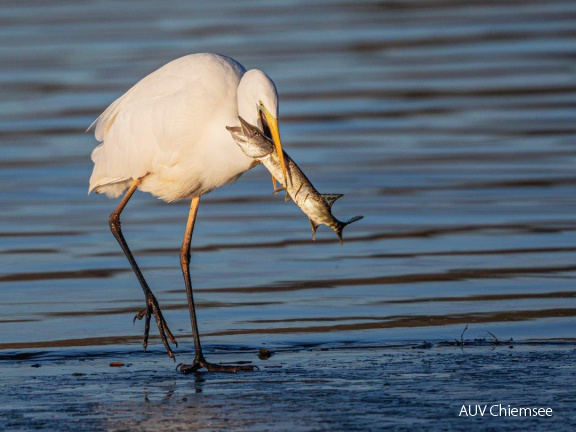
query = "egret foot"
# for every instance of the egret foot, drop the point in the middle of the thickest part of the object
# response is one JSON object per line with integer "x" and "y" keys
{"x": 211, "y": 367}
{"x": 276, "y": 190}
{"x": 153, "y": 308}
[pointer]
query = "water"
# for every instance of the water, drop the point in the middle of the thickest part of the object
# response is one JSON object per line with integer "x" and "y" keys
{"x": 449, "y": 126}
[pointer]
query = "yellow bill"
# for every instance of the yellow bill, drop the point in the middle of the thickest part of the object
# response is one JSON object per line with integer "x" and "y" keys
{"x": 272, "y": 123}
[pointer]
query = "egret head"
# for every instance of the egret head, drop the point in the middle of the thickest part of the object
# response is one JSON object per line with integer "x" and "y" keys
{"x": 258, "y": 104}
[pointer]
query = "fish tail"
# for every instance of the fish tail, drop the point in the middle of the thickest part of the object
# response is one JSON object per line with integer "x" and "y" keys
{"x": 340, "y": 227}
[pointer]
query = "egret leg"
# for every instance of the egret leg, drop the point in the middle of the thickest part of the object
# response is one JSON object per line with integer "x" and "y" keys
{"x": 152, "y": 307}
{"x": 199, "y": 360}
{"x": 280, "y": 189}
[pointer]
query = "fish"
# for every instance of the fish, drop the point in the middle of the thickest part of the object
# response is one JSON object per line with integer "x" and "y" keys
{"x": 318, "y": 207}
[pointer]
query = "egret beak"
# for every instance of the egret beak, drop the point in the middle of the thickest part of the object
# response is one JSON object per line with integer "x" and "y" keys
{"x": 272, "y": 124}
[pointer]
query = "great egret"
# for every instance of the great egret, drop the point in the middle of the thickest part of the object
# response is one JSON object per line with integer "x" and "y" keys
{"x": 167, "y": 136}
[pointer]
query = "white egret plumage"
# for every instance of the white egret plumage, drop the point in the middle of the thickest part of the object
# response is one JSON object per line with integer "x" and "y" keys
{"x": 167, "y": 136}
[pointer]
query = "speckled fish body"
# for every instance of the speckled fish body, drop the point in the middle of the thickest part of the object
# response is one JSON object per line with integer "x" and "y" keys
{"x": 318, "y": 207}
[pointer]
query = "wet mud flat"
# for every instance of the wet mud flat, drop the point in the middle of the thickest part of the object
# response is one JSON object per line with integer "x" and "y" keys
{"x": 400, "y": 386}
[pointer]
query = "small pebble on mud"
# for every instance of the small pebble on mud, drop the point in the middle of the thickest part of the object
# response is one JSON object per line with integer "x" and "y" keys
{"x": 264, "y": 354}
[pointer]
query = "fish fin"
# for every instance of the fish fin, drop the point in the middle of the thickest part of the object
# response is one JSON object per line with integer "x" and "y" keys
{"x": 354, "y": 219}
{"x": 314, "y": 228}
{"x": 330, "y": 198}
{"x": 343, "y": 224}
